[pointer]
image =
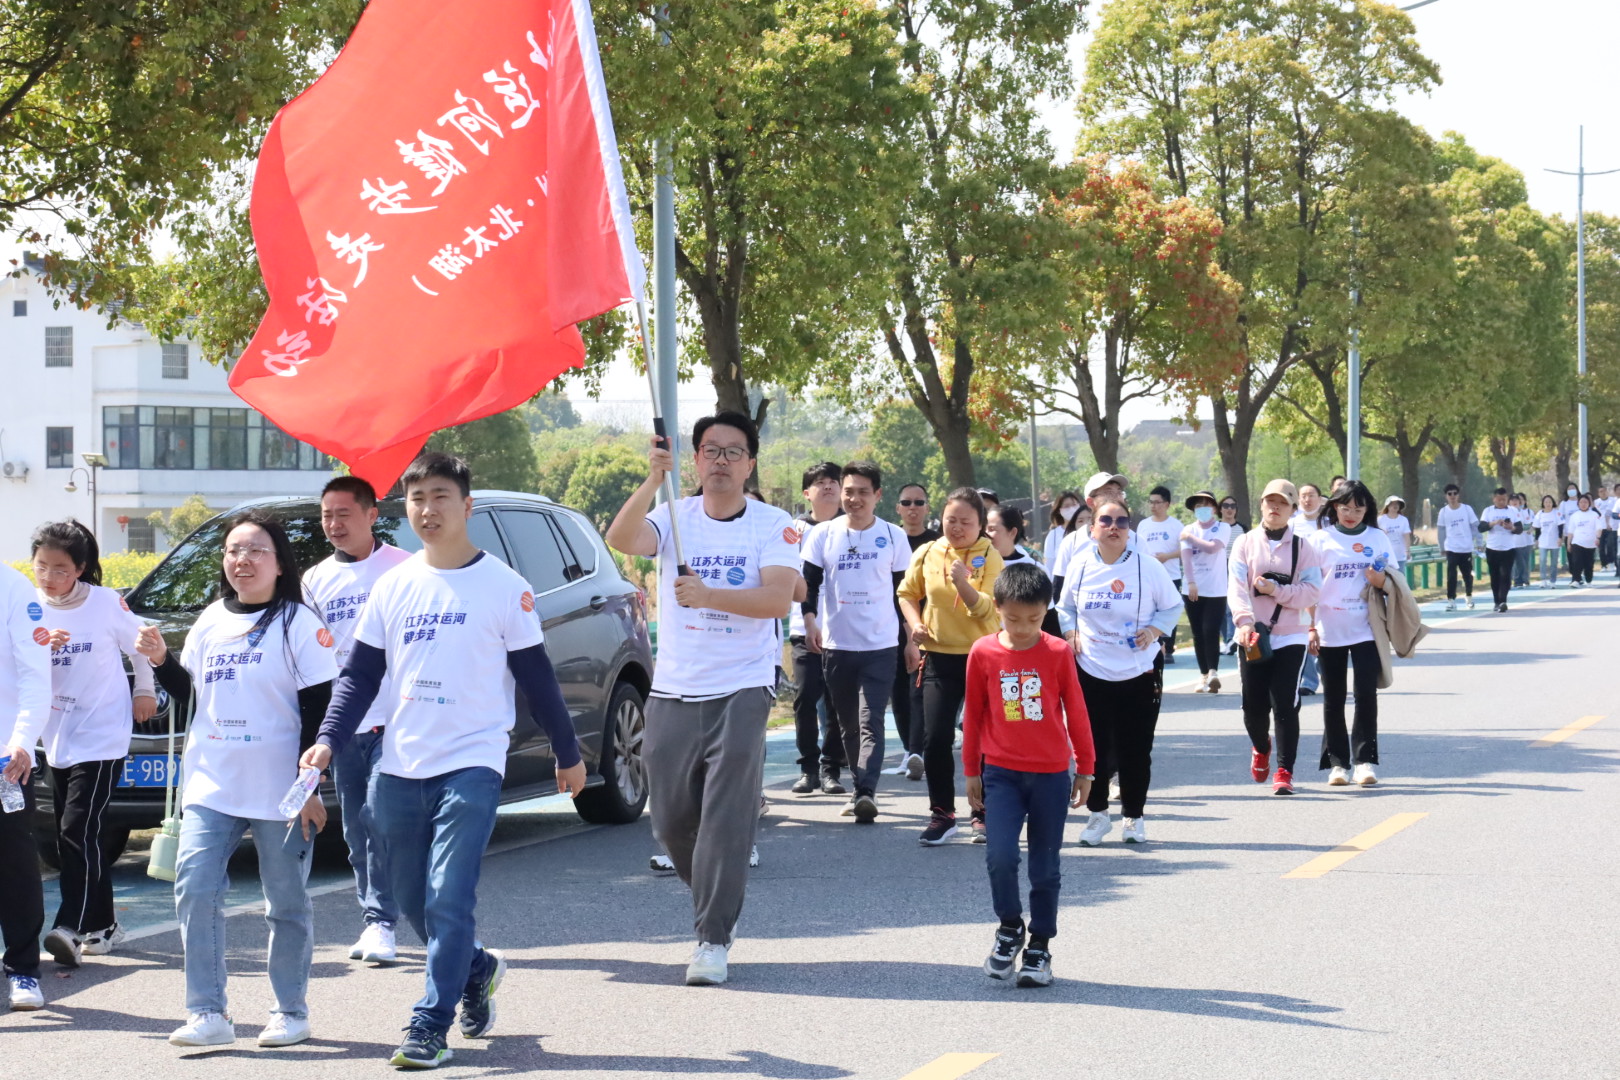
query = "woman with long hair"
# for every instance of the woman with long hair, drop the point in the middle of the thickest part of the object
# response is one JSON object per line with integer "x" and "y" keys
{"x": 258, "y": 668}
{"x": 87, "y": 734}
{"x": 1549, "y": 523}
{"x": 1353, "y": 555}
{"x": 1065, "y": 509}
{"x": 955, "y": 575}
{"x": 1005, "y": 527}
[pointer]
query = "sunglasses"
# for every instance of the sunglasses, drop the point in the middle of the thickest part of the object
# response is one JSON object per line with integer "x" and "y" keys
{"x": 1108, "y": 521}
{"x": 1228, "y": 506}
{"x": 913, "y": 502}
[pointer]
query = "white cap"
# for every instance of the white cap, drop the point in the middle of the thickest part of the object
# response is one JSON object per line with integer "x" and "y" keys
{"x": 1102, "y": 480}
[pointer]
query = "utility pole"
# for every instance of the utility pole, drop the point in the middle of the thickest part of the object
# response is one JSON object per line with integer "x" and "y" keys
{"x": 1035, "y": 525}
{"x": 1580, "y": 174}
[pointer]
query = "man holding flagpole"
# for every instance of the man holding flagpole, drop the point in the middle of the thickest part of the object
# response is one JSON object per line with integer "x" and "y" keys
{"x": 715, "y": 674}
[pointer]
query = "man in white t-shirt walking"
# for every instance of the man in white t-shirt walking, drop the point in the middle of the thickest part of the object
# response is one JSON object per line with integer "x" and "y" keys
{"x": 1458, "y": 525}
{"x": 852, "y": 566}
{"x": 1160, "y": 536}
{"x": 455, "y": 630}
{"x": 338, "y": 587}
{"x": 715, "y": 675}
{"x": 1502, "y": 528}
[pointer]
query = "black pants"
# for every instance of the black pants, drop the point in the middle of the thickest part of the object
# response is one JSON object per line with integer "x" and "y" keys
{"x": 901, "y": 696}
{"x": 1459, "y": 562}
{"x": 82, "y": 793}
{"x": 22, "y": 895}
{"x": 944, "y": 688}
{"x": 1271, "y": 699}
{"x": 821, "y": 744}
{"x": 1580, "y": 562}
{"x": 1361, "y": 743}
{"x": 1606, "y": 547}
{"x": 1206, "y": 614}
{"x": 1500, "y": 565}
{"x": 1124, "y": 716}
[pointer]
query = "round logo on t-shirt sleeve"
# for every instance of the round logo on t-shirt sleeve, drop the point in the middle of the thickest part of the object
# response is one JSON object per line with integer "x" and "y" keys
{"x": 790, "y": 535}
{"x": 42, "y": 636}
{"x": 527, "y": 601}
{"x": 35, "y": 612}
{"x": 324, "y": 636}
{"x": 735, "y": 576}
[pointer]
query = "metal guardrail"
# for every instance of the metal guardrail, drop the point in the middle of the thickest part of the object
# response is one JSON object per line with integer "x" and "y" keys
{"x": 1425, "y": 558}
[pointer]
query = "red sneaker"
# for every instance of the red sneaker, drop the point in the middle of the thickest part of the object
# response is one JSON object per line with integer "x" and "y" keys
{"x": 1284, "y": 784}
{"x": 1260, "y": 766}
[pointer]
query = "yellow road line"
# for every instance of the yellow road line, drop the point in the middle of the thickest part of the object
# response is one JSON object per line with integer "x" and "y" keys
{"x": 1565, "y": 732}
{"x": 949, "y": 1067}
{"x": 1342, "y": 854}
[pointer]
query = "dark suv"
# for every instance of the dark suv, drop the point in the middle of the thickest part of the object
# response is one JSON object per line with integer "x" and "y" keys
{"x": 596, "y": 633}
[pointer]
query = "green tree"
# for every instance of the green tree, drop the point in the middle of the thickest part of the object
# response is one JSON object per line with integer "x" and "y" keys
{"x": 183, "y": 519}
{"x": 900, "y": 441}
{"x": 1274, "y": 115}
{"x": 497, "y": 450}
{"x": 603, "y": 478}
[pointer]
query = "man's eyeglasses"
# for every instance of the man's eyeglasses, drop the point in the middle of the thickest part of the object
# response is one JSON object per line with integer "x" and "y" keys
{"x": 730, "y": 453}
{"x": 1108, "y": 521}
{"x": 913, "y": 502}
{"x": 248, "y": 554}
{"x": 42, "y": 572}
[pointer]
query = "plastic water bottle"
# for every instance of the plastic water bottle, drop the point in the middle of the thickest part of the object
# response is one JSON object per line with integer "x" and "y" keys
{"x": 1130, "y": 634}
{"x": 1380, "y": 562}
{"x": 11, "y": 796}
{"x": 299, "y": 793}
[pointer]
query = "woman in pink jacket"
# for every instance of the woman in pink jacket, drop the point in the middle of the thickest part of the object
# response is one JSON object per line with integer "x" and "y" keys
{"x": 1275, "y": 578}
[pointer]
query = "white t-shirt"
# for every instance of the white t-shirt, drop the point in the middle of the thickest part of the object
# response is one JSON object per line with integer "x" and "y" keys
{"x": 1110, "y": 604}
{"x": 1208, "y": 568}
{"x": 242, "y": 747}
{"x": 1500, "y": 537}
{"x": 90, "y": 704}
{"x": 1611, "y": 508}
{"x": 1584, "y": 526}
{"x": 1457, "y": 528}
{"x": 1550, "y": 524}
{"x": 1526, "y": 537}
{"x": 703, "y": 653}
{"x": 447, "y": 633}
{"x": 1305, "y": 524}
{"x": 1568, "y": 507}
{"x": 1049, "y": 546}
{"x": 1161, "y": 538}
{"x": 857, "y": 585}
{"x": 1399, "y": 531}
{"x": 338, "y": 591}
{"x": 1077, "y": 543}
{"x": 1341, "y": 613}
{"x": 802, "y": 527}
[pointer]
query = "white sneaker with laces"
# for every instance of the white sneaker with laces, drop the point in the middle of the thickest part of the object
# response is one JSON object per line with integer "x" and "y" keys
{"x": 1132, "y": 831}
{"x": 26, "y": 995}
{"x": 205, "y": 1029}
{"x": 708, "y": 966}
{"x": 849, "y": 808}
{"x": 914, "y": 767}
{"x": 101, "y": 942}
{"x": 753, "y": 855}
{"x": 1203, "y": 685}
{"x": 1338, "y": 776}
{"x": 1099, "y": 826}
{"x": 1364, "y": 775}
{"x": 64, "y": 946}
{"x": 1451, "y": 605}
{"x": 661, "y": 864}
{"x": 284, "y": 1030}
{"x": 379, "y": 941}
{"x": 1470, "y": 603}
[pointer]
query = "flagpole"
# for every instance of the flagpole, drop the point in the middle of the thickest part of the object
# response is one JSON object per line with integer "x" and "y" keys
{"x": 670, "y": 492}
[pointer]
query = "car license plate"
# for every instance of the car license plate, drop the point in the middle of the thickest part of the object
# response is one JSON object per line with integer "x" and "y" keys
{"x": 146, "y": 770}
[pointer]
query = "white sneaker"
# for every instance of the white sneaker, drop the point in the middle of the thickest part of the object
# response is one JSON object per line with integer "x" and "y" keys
{"x": 101, "y": 942}
{"x": 898, "y": 768}
{"x": 1214, "y": 684}
{"x": 1451, "y": 605}
{"x": 26, "y": 995}
{"x": 914, "y": 767}
{"x": 1364, "y": 775}
{"x": 1132, "y": 830}
{"x": 63, "y": 945}
{"x": 1470, "y": 603}
{"x": 849, "y": 808}
{"x": 284, "y": 1030}
{"x": 1099, "y": 826}
{"x": 1338, "y": 776}
{"x": 753, "y": 855}
{"x": 708, "y": 966}
{"x": 379, "y": 942}
{"x": 205, "y": 1029}
{"x": 1113, "y": 791}
{"x": 661, "y": 864}
{"x": 1203, "y": 685}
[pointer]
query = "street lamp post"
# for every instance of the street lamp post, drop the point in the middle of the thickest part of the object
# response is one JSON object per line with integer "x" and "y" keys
{"x": 1580, "y": 174}
{"x": 93, "y": 462}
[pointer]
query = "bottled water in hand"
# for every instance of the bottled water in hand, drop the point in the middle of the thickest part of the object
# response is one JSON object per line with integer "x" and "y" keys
{"x": 1380, "y": 562}
{"x": 299, "y": 793}
{"x": 11, "y": 795}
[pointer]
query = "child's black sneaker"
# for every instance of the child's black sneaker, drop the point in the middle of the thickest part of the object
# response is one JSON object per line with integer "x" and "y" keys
{"x": 1036, "y": 969}
{"x": 999, "y": 964}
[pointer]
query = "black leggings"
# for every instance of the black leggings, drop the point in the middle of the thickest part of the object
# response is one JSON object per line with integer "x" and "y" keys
{"x": 1271, "y": 697}
{"x": 1459, "y": 562}
{"x": 1580, "y": 562}
{"x": 1360, "y": 745}
{"x": 1124, "y": 716}
{"x": 944, "y": 688}
{"x": 1206, "y": 614}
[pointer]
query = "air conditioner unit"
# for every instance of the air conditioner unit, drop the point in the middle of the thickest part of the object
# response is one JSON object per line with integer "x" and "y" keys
{"x": 14, "y": 470}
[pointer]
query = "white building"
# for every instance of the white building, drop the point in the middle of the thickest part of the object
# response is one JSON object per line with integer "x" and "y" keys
{"x": 166, "y": 422}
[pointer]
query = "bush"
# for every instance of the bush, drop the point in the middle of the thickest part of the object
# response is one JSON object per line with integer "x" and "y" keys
{"x": 119, "y": 570}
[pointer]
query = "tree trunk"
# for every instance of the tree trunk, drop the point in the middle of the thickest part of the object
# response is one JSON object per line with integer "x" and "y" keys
{"x": 1502, "y": 453}
{"x": 1232, "y": 440}
{"x": 1561, "y": 465}
{"x": 1100, "y": 415}
{"x": 945, "y": 406}
{"x": 1457, "y": 455}
{"x": 1409, "y": 452}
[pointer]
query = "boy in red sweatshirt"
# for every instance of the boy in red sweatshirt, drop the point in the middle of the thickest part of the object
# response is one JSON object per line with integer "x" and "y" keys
{"x": 1024, "y": 726}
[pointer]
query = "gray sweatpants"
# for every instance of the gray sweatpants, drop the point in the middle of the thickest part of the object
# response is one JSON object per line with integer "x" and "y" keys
{"x": 705, "y": 765}
{"x": 859, "y": 684}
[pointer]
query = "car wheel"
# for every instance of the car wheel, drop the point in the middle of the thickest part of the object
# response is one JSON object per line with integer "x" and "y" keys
{"x": 622, "y": 795}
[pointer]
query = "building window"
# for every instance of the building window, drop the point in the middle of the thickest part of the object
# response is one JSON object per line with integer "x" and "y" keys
{"x": 58, "y": 448}
{"x": 59, "y": 346}
{"x": 164, "y": 437}
{"x": 142, "y": 537}
{"x": 176, "y": 362}
{"x": 19, "y": 309}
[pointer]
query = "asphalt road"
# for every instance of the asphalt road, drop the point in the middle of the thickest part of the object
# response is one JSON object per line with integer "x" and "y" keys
{"x": 1470, "y": 930}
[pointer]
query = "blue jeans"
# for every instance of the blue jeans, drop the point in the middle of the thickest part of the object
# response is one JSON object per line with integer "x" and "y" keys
{"x": 207, "y": 841}
{"x": 354, "y": 773}
{"x": 1011, "y": 797}
{"x": 436, "y": 830}
{"x": 1310, "y": 676}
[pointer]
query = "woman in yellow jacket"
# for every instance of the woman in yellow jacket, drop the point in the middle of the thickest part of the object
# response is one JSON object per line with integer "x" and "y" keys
{"x": 945, "y": 598}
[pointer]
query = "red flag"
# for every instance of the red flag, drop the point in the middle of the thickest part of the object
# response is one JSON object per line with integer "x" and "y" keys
{"x": 432, "y": 218}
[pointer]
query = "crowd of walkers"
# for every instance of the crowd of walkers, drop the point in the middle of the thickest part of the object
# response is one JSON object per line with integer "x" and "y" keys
{"x": 1048, "y": 666}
